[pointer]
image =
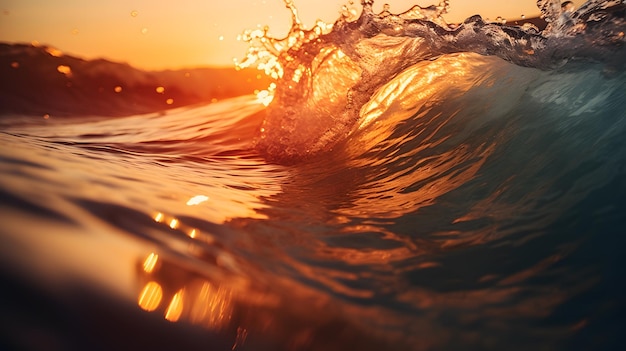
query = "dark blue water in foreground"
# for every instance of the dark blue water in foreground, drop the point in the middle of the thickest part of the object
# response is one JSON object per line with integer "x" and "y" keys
{"x": 474, "y": 204}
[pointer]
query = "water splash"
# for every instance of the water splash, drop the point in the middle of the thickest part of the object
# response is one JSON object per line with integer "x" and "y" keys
{"x": 325, "y": 74}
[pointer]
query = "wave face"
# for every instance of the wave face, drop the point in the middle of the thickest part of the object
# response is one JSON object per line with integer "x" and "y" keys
{"x": 463, "y": 195}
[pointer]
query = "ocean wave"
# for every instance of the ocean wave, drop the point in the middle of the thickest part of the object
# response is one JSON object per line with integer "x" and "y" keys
{"x": 327, "y": 73}
{"x": 436, "y": 191}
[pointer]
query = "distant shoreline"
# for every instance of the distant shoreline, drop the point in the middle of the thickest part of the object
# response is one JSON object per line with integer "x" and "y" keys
{"x": 41, "y": 80}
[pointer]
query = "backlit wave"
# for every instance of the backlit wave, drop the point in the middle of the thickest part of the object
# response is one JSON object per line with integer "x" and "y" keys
{"x": 326, "y": 74}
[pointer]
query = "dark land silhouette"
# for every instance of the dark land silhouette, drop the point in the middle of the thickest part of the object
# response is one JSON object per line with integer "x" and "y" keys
{"x": 40, "y": 80}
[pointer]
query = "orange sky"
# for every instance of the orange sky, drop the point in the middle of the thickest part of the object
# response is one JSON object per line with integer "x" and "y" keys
{"x": 186, "y": 33}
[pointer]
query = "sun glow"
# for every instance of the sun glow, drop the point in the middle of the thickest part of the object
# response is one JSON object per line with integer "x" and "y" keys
{"x": 195, "y": 32}
{"x": 198, "y": 300}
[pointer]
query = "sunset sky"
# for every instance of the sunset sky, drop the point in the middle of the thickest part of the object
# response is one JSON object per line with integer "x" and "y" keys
{"x": 153, "y": 34}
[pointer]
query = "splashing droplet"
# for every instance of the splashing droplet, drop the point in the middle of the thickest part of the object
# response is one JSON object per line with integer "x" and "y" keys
{"x": 174, "y": 223}
{"x": 66, "y": 70}
{"x": 196, "y": 200}
{"x": 54, "y": 52}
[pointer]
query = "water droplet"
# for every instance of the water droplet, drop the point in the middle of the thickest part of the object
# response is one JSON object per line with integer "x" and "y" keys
{"x": 54, "y": 52}
{"x": 169, "y": 101}
{"x": 117, "y": 89}
{"x": 174, "y": 223}
{"x": 15, "y": 64}
{"x": 66, "y": 70}
{"x": 221, "y": 38}
{"x": 144, "y": 30}
{"x": 160, "y": 90}
{"x": 150, "y": 297}
{"x": 134, "y": 13}
{"x": 196, "y": 200}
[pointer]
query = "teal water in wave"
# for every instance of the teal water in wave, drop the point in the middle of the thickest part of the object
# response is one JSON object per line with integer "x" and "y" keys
{"x": 471, "y": 203}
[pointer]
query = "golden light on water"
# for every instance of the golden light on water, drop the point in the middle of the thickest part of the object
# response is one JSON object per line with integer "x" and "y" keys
{"x": 160, "y": 90}
{"x": 175, "y": 308}
{"x": 150, "y": 296}
{"x": 196, "y": 200}
{"x": 196, "y": 300}
{"x": 212, "y": 306}
{"x": 150, "y": 262}
{"x": 66, "y": 70}
{"x": 174, "y": 223}
{"x": 194, "y": 32}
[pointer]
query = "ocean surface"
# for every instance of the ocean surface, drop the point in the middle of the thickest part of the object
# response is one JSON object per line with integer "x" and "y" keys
{"x": 413, "y": 185}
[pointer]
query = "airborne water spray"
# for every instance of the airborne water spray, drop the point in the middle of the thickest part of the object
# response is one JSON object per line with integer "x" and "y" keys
{"x": 325, "y": 74}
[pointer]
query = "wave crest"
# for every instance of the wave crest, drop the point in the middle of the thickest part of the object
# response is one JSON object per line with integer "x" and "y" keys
{"x": 327, "y": 73}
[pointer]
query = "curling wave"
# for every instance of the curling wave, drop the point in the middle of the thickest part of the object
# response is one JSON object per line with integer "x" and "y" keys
{"x": 326, "y": 74}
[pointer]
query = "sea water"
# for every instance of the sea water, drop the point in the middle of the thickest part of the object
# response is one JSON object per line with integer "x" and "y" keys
{"x": 412, "y": 185}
